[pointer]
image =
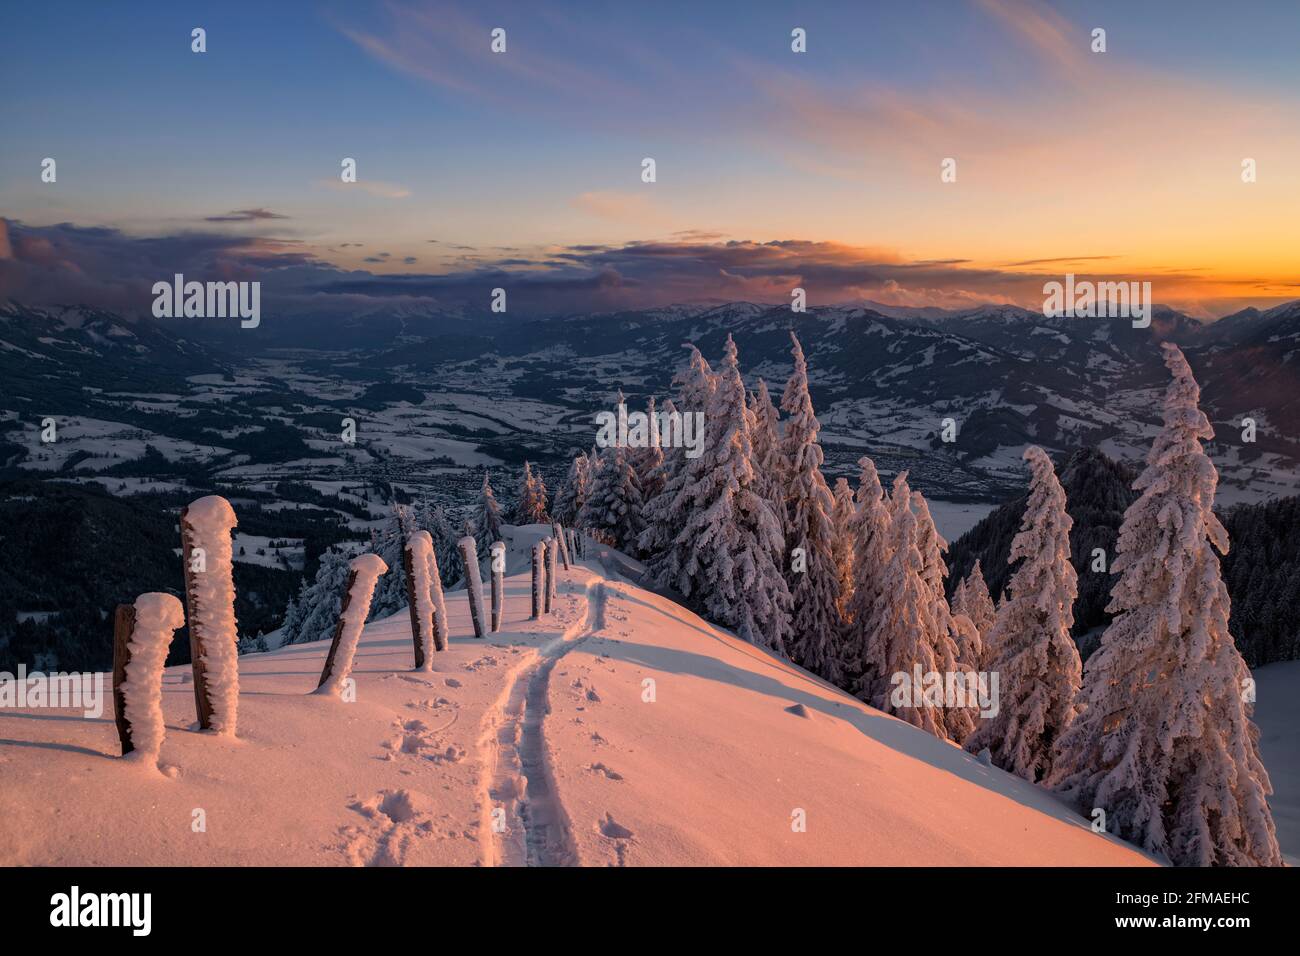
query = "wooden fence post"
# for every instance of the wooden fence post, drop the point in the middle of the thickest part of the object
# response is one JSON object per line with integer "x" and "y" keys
{"x": 343, "y": 646}
{"x": 412, "y": 606}
{"x": 498, "y": 583}
{"x": 563, "y": 543}
{"x": 142, "y": 633}
{"x": 216, "y": 516}
{"x": 473, "y": 582}
{"x": 123, "y": 625}
{"x": 549, "y": 595}
{"x": 539, "y": 560}
{"x": 338, "y": 629}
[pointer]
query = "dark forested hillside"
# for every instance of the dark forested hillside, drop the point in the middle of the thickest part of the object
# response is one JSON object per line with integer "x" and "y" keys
{"x": 1262, "y": 571}
{"x": 70, "y": 553}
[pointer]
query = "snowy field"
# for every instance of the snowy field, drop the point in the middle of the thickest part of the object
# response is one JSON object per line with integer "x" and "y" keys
{"x": 622, "y": 730}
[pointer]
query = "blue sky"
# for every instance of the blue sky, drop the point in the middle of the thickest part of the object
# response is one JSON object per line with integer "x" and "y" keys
{"x": 1130, "y": 155}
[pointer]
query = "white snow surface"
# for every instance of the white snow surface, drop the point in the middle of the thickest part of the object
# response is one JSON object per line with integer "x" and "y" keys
{"x": 157, "y": 616}
{"x": 635, "y": 732}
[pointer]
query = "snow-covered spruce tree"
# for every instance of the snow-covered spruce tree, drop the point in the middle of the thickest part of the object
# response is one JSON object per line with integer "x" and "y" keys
{"x": 1163, "y": 741}
{"x": 1035, "y": 657}
{"x": 903, "y": 636}
{"x": 488, "y": 523}
{"x": 319, "y": 602}
{"x": 390, "y": 591}
{"x": 695, "y": 386}
{"x": 648, "y": 461}
{"x": 767, "y": 447}
{"x": 956, "y": 641}
{"x": 572, "y": 494}
{"x": 721, "y": 558}
{"x": 612, "y": 511}
{"x": 810, "y": 570}
{"x": 532, "y": 498}
{"x": 843, "y": 517}
{"x": 977, "y": 604}
{"x": 444, "y": 535}
{"x": 870, "y": 533}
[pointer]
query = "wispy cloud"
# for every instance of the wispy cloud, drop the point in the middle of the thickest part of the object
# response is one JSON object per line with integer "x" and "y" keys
{"x": 245, "y": 215}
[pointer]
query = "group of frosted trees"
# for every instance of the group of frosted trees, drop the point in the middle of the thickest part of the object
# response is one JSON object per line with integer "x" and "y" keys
{"x": 850, "y": 584}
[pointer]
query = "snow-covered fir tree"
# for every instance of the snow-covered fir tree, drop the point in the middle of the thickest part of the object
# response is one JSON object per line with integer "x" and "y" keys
{"x": 532, "y": 498}
{"x": 648, "y": 461}
{"x": 658, "y": 466}
{"x": 487, "y": 527}
{"x": 612, "y": 511}
{"x": 320, "y": 602}
{"x": 572, "y": 494}
{"x": 811, "y": 572}
{"x": 722, "y": 558}
{"x": 1035, "y": 657}
{"x": 767, "y": 446}
{"x": 695, "y": 386}
{"x": 904, "y": 629}
{"x": 972, "y": 599}
{"x": 387, "y": 542}
{"x": 843, "y": 517}
{"x": 956, "y": 641}
{"x": 871, "y": 535}
{"x": 1163, "y": 742}
{"x": 435, "y": 520}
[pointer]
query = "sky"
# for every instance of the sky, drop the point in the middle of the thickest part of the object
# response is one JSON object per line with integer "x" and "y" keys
{"x": 774, "y": 169}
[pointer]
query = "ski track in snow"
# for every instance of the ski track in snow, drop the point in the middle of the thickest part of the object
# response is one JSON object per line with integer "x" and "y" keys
{"x": 517, "y": 776}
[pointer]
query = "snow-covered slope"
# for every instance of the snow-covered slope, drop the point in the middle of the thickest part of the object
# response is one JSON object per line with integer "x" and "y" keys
{"x": 621, "y": 730}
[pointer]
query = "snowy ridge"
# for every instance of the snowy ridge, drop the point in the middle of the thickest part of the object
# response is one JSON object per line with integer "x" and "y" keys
{"x": 705, "y": 764}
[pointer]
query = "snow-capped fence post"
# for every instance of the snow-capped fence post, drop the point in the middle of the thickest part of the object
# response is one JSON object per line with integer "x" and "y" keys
{"x": 539, "y": 560}
{"x": 473, "y": 582}
{"x": 417, "y": 556}
{"x": 441, "y": 627}
{"x": 498, "y": 583}
{"x": 412, "y": 605}
{"x": 363, "y": 572}
{"x": 142, "y": 633}
{"x": 572, "y": 537}
{"x": 206, "y": 551}
{"x": 563, "y": 542}
{"x": 549, "y": 593}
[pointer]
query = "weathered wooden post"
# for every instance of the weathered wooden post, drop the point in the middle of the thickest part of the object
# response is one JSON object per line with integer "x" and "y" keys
{"x": 473, "y": 582}
{"x": 441, "y": 626}
{"x": 142, "y": 632}
{"x": 363, "y": 572}
{"x": 415, "y": 567}
{"x": 573, "y": 543}
{"x": 498, "y": 583}
{"x": 563, "y": 542}
{"x": 539, "y": 561}
{"x": 210, "y": 610}
{"x": 123, "y": 625}
{"x": 549, "y": 594}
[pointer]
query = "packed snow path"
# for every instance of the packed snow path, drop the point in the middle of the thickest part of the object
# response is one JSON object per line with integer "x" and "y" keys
{"x": 528, "y": 826}
{"x": 620, "y": 730}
